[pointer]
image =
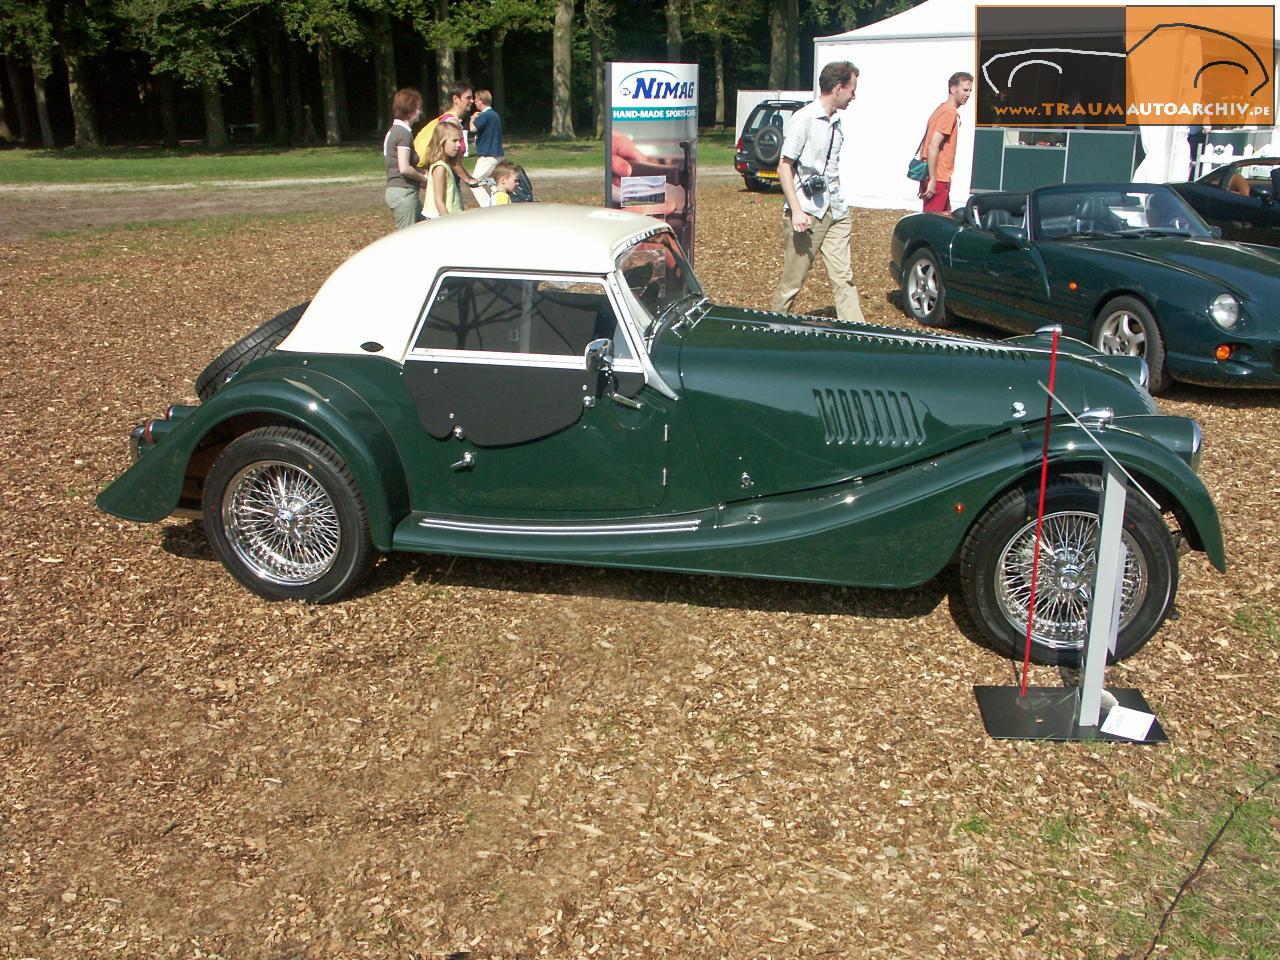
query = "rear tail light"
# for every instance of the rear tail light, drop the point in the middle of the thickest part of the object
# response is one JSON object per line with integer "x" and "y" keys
{"x": 738, "y": 147}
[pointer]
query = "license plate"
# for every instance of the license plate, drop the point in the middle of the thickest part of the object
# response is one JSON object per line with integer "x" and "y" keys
{"x": 766, "y": 174}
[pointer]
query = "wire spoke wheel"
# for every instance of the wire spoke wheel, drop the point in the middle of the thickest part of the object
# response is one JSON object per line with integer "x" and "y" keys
{"x": 1064, "y": 587}
{"x": 281, "y": 523}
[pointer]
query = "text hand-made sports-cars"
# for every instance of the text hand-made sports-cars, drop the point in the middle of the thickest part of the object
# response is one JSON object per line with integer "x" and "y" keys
{"x": 1129, "y": 267}
{"x": 548, "y": 383}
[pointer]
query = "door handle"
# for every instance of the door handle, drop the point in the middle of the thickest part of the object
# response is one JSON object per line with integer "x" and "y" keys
{"x": 466, "y": 463}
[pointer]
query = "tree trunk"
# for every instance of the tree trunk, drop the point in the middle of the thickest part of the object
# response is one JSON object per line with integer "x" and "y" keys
{"x": 675, "y": 38}
{"x": 340, "y": 91}
{"x": 215, "y": 124}
{"x": 81, "y": 106}
{"x": 597, "y": 84}
{"x": 444, "y": 57}
{"x": 384, "y": 67}
{"x": 717, "y": 50}
{"x": 279, "y": 99}
{"x": 298, "y": 126}
{"x": 5, "y": 133}
{"x": 168, "y": 111}
{"x": 38, "y": 71}
{"x": 329, "y": 92}
{"x": 26, "y": 131}
{"x": 257, "y": 88}
{"x": 777, "y": 44}
{"x": 793, "y": 44}
{"x": 498, "y": 73}
{"x": 561, "y": 72}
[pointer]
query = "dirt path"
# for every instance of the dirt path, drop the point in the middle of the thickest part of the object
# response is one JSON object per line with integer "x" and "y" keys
{"x": 31, "y": 211}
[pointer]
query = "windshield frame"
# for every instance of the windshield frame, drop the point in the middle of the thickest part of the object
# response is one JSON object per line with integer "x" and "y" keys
{"x": 651, "y": 315}
{"x": 1177, "y": 208}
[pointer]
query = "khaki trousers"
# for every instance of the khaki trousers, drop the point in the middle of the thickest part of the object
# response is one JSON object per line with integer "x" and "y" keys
{"x": 831, "y": 238}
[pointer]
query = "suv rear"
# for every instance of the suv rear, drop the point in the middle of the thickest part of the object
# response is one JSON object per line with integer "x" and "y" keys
{"x": 760, "y": 146}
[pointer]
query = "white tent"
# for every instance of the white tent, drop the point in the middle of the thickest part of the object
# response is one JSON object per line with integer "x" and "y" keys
{"x": 904, "y": 62}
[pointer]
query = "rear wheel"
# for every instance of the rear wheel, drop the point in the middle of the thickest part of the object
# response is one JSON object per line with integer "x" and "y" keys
{"x": 996, "y": 560}
{"x": 254, "y": 344}
{"x": 1127, "y": 327}
{"x": 285, "y": 516}
{"x": 924, "y": 295}
{"x": 754, "y": 185}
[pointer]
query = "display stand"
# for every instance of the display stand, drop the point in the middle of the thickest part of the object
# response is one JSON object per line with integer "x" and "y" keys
{"x": 1073, "y": 713}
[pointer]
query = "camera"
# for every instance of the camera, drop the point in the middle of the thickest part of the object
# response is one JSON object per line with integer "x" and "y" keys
{"x": 814, "y": 184}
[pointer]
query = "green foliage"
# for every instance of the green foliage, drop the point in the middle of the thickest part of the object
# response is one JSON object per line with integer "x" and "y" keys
{"x": 194, "y": 40}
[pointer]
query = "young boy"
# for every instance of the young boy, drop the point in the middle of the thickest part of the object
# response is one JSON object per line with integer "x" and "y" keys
{"x": 504, "y": 175}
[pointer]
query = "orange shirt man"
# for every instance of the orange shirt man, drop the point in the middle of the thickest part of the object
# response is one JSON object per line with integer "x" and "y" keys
{"x": 939, "y": 144}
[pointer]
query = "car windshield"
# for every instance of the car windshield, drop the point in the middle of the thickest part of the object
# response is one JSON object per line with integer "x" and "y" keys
{"x": 1136, "y": 211}
{"x": 657, "y": 276}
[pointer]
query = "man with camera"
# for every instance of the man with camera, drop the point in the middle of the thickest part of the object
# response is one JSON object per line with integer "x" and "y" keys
{"x": 816, "y": 217}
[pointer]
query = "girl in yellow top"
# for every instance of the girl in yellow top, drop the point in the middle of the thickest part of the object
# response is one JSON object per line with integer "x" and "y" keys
{"x": 442, "y": 188}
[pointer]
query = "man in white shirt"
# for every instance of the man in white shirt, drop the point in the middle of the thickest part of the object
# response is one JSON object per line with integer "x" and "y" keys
{"x": 816, "y": 217}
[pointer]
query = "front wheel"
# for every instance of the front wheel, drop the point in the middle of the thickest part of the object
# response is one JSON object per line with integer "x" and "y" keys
{"x": 924, "y": 295}
{"x": 996, "y": 560}
{"x": 1127, "y": 327}
{"x": 284, "y": 515}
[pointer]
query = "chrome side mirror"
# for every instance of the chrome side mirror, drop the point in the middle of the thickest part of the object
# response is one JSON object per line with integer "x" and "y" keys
{"x": 599, "y": 359}
{"x": 599, "y": 355}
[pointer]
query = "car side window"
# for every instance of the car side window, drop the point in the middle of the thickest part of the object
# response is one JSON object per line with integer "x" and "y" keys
{"x": 538, "y": 317}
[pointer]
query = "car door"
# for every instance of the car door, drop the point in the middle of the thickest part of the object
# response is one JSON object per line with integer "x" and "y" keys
{"x": 1004, "y": 282}
{"x": 512, "y": 418}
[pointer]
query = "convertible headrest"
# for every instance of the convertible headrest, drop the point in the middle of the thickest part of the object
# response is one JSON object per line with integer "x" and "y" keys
{"x": 996, "y": 218}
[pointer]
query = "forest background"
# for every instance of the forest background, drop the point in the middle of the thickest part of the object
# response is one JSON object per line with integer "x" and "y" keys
{"x": 97, "y": 73}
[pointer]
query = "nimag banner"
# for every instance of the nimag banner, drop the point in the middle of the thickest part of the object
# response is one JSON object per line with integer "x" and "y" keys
{"x": 652, "y": 129}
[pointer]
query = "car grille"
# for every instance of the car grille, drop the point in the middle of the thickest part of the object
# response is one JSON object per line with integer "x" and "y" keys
{"x": 885, "y": 418}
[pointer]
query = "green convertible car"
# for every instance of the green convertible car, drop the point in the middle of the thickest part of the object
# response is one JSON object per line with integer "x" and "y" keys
{"x": 1129, "y": 267}
{"x": 548, "y": 383}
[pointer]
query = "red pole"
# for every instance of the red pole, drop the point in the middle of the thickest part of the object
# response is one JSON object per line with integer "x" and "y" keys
{"x": 1044, "y": 481}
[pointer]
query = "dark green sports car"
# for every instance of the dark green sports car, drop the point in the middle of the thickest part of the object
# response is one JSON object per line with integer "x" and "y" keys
{"x": 543, "y": 382}
{"x": 1129, "y": 267}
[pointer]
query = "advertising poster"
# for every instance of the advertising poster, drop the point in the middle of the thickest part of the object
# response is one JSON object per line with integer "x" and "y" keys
{"x": 651, "y": 128}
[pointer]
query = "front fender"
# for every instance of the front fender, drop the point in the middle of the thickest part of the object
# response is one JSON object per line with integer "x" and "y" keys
{"x": 150, "y": 489}
{"x": 1151, "y": 463}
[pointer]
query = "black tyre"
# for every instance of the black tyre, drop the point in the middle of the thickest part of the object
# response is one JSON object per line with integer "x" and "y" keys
{"x": 285, "y": 516}
{"x": 995, "y": 571}
{"x": 767, "y": 146}
{"x": 754, "y": 185}
{"x": 257, "y": 343}
{"x": 1126, "y": 326}
{"x": 924, "y": 295}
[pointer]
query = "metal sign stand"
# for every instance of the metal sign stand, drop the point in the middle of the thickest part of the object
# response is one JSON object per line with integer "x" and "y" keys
{"x": 1073, "y": 713}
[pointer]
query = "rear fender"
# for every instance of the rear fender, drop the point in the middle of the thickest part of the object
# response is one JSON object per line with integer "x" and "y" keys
{"x": 150, "y": 490}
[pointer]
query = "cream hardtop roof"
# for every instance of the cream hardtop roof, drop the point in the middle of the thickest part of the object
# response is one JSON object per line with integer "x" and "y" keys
{"x": 519, "y": 236}
{"x": 377, "y": 294}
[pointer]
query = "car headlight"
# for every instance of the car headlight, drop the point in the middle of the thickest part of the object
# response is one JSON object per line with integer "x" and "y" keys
{"x": 1225, "y": 311}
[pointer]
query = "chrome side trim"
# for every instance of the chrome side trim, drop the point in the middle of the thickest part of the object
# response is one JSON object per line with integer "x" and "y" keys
{"x": 564, "y": 529}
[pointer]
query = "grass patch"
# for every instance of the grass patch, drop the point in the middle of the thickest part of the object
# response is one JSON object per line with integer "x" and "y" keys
{"x": 1231, "y": 907}
{"x": 1260, "y": 623}
{"x": 141, "y": 166}
{"x": 977, "y": 824}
